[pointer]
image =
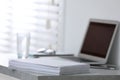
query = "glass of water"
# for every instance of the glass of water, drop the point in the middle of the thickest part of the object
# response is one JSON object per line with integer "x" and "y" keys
{"x": 23, "y": 44}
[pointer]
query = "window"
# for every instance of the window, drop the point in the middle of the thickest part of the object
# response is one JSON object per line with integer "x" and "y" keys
{"x": 42, "y": 18}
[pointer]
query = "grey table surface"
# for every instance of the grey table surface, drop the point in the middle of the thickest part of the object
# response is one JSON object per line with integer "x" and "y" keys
{"x": 95, "y": 74}
{"x": 7, "y": 77}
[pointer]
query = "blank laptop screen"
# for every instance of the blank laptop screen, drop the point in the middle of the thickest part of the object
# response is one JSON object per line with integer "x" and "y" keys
{"x": 97, "y": 39}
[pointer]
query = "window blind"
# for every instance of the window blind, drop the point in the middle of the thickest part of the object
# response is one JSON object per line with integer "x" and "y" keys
{"x": 5, "y": 26}
{"x": 39, "y": 17}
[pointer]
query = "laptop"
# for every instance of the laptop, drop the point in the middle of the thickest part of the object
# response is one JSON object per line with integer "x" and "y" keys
{"x": 97, "y": 42}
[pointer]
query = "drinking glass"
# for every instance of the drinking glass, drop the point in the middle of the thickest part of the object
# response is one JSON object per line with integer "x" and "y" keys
{"x": 23, "y": 44}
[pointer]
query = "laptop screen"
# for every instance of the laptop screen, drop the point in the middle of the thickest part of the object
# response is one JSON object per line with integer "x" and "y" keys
{"x": 98, "y": 39}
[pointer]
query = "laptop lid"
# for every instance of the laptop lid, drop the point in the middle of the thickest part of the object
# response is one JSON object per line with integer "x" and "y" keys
{"x": 98, "y": 40}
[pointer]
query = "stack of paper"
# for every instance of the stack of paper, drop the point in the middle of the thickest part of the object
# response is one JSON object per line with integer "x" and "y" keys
{"x": 49, "y": 65}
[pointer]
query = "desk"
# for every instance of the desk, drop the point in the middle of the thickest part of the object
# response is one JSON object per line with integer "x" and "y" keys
{"x": 95, "y": 74}
{"x": 6, "y": 77}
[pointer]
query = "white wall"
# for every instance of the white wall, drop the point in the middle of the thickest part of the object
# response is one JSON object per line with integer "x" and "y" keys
{"x": 77, "y": 14}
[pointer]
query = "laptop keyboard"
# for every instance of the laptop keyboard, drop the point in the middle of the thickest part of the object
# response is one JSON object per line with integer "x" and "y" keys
{"x": 76, "y": 59}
